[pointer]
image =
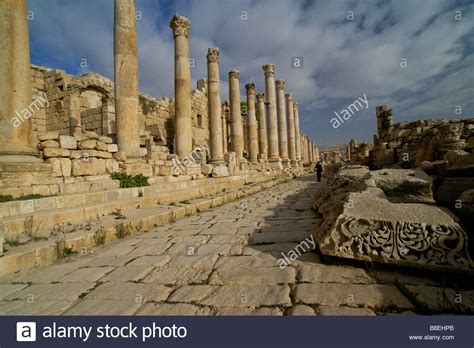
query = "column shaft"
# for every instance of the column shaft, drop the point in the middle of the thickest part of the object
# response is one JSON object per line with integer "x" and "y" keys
{"x": 182, "y": 86}
{"x": 214, "y": 107}
{"x": 237, "y": 132}
{"x": 297, "y": 131}
{"x": 252, "y": 123}
{"x": 282, "y": 124}
{"x": 262, "y": 127}
{"x": 291, "y": 129}
{"x": 272, "y": 124}
{"x": 126, "y": 78}
{"x": 16, "y": 130}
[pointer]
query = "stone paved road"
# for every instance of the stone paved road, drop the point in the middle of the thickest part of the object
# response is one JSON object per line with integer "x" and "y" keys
{"x": 229, "y": 261}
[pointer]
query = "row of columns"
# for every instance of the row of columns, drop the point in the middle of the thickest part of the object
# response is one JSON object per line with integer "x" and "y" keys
{"x": 275, "y": 136}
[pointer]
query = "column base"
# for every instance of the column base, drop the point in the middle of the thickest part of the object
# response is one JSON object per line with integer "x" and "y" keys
{"x": 285, "y": 162}
{"x": 275, "y": 164}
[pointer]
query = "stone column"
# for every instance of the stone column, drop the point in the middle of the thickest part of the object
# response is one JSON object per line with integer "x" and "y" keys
{"x": 282, "y": 125}
{"x": 252, "y": 123}
{"x": 237, "y": 132}
{"x": 75, "y": 123}
{"x": 182, "y": 86}
{"x": 16, "y": 132}
{"x": 214, "y": 107}
{"x": 272, "y": 124}
{"x": 262, "y": 127}
{"x": 291, "y": 130}
{"x": 297, "y": 131}
{"x": 225, "y": 116}
{"x": 126, "y": 78}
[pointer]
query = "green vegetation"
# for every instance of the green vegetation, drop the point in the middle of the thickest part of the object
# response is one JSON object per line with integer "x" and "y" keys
{"x": 9, "y": 198}
{"x": 127, "y": 181}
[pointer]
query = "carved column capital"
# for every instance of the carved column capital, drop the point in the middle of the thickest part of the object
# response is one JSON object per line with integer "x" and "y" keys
{"x": 289, "y": 96}
{"x": 260, "y": 96}
{"x": 269, "y": 70}
{"x": 280, "y": 84}
{"x": 180, "y": 25}
{"x": 234, "y": 73}
{"x": 250, "y": 87}
{"x": 213, "y": 55}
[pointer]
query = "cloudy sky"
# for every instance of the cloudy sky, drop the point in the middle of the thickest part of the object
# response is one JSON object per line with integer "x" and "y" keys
{"x": 416, "y": 56}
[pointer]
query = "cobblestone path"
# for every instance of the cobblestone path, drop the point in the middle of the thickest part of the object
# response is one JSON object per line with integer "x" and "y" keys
{"x": 250, "y": 257}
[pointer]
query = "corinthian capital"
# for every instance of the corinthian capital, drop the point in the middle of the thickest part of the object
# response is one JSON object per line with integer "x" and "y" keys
{"x": 260, "y": 96}
{"x": 234, "y": 73}
{"x": 289, "y": 96}
{"x": 269, "y": 70}
{"x": 280, "y": 84}
{"x": 250, "y": 87}
{"x": 180, "y": 25}
{"x": 295, "y": 105}
{"x": 213, "y": 55}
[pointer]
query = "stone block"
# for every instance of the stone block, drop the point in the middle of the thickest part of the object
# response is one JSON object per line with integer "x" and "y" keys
{"x": 55, "y": 166}
{"x": 120, "y": 156}
{"x": 59, "y": 152}
{"x": 220, "y": 171}
{"x": 111, "y": 166}
{"x": 93, "y": 166}
{"x": 102, "y": 154}
{"x": 66, "y": 166}
{"x": 88, "y": 144}
{"x": 101, "y": 146}
{"x": 52, "y": 135}
{"x": 91, "y": 135}
{"x": 50, "y": 143}
{"x": 206, "y": 169}
{"x": 112, "y": 148}
{"x": 106, "y": 140}
{"x": 67, "y": 142}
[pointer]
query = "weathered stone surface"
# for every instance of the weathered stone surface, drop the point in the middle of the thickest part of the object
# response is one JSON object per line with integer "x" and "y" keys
{"x": 344, "y": 311}
{"x": 52, "y": 152}
{"x": 172, "y": 309}
{"x": 92, "y": 166}
{"x": 352, "y": 295}
{"x": 463, "y": 167}
{"x": 112, "y": 148}
{"x": 453, "y": 155}
{"x": 309, "y": 273}
{"x": 301, "y": 310}
{"x": 227, "y": 296}
{"x": 451, "y": 189}
{"x": 52, "y": 135}
{"x": 88, "y": 144}
{"x": 120, "y": 156}
{"x": 106, "y": 140}
{"x": 101, "y": 146}
{"x": 434, "y": 299}
{"x": 206, "y": 169}
{"x": 220, "y": 171}
{"x": 363, "y": 224}
{"x": 50, "y": 143}
{"x": 68, "y": 142}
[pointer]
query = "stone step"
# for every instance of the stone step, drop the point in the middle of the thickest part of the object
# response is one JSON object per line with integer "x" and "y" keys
{"x": 79, "y": 194}
{"x": 60, "y": 212}
{"x": 109, "y": 228}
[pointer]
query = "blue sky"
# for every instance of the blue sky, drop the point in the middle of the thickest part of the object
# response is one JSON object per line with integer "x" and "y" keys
{"x": 349, "y": 48}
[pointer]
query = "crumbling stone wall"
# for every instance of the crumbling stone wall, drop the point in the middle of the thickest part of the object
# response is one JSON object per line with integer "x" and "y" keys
{"x": 422, "y": 140}
{"x": 89, "y": 99}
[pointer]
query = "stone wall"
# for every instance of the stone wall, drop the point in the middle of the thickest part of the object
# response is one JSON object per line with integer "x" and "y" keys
{"x": 422, "y": 140}
{"x": 89, "y": 98}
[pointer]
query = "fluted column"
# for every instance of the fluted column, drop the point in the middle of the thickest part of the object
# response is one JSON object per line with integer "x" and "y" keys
{"x": 262, "y": 127}
{"x": 282, "y": 124}
{"x": 252, "y": 123}
{"x": 214, "y": 106}
{"x": 297, "y": 131}
{"x": 16, "y": 134}
{"x": 182, "y": 86}
{"x": 291, "y": 130}
{"x": 126, "y": 78}
{"x": 272, "y": 124}
{"x": 237, "y": 132}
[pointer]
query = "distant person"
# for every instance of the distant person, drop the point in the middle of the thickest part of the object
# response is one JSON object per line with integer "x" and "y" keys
{"x": 319, "y": 170}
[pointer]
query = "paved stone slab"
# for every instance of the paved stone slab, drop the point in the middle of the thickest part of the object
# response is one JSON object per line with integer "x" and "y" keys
{"x": 129, "y": 292}
{"x": 301, "y": 310}
{"x": 172, "y": 309}
{"x": 352, "y": 295}
{"x": 344, "y": 311}
{"x": 244, "y": 296}
{"x": 318, "y": 273}
{"x": 104, "y": 307}
{"x": 434, "y": 299}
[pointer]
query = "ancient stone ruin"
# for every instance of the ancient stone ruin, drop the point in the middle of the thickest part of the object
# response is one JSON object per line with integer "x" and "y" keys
{"x": 64, "y": 137}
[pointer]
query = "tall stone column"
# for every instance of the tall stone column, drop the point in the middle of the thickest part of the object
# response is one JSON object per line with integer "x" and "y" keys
{"x": 272, "y": 124}
{"x": 291, "y": 130}
{"x": 262, "y": 127}
{"x": 16, "y": 132}
{"x": 237, "y": 132}
{"x": 282, "y": 124}
{"x": 225, "y": 136}
{"x": 297, "y": 131}
{"x": 252, "y": 123}
{"x": 214, "y": 107}
{"x": 182, "y": 86}
{"x": 126, "y": 78}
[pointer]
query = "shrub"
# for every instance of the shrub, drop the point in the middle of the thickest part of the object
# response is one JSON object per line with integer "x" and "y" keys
{"x": 127, "y": 181}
